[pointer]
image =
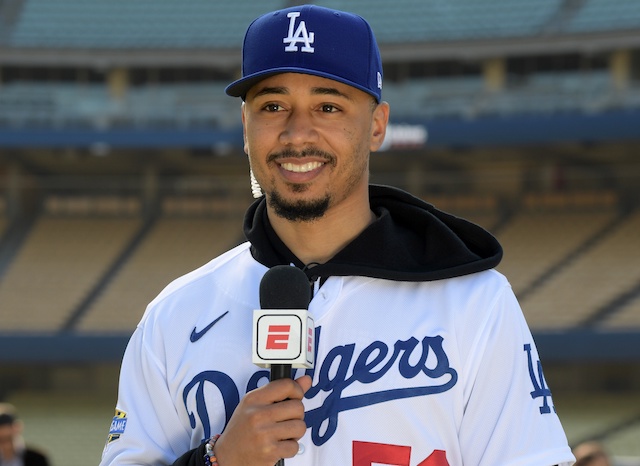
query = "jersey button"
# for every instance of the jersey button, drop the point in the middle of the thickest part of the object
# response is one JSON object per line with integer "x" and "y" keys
{"x": 300, "y": 448}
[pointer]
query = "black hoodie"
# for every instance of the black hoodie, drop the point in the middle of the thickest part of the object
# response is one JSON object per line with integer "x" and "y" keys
{"x": 410, "y": 240}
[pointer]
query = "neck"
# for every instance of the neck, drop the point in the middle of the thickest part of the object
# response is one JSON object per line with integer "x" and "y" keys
{"x": 319, "y": 240}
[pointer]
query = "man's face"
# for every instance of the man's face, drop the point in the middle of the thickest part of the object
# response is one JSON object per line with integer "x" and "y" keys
{"x": 308, "y": 139}
{"x": 7, "y": 436}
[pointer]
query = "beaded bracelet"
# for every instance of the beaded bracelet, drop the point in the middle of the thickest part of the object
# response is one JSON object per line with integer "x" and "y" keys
{"x": 209, "y": 455}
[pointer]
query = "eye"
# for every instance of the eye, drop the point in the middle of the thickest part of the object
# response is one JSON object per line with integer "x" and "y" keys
{"x": 329, "y": 108}
{"x": 272, "y": 108}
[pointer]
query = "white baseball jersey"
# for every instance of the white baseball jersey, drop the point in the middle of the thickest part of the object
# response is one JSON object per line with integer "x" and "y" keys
{"x": 429, "y": 373}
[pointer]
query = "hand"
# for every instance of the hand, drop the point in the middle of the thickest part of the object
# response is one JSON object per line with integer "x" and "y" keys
{"x": 266, "y": 425}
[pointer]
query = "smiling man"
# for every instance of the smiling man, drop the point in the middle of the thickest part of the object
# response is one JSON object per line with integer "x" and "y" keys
{"x": 422, "y": 354}
{"x": 308, "y": 139}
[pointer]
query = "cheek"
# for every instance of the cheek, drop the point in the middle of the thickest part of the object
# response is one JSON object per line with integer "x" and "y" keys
{"x": 253, "y": 141}
{"x": 259, "y": 139}
{"x": 348, "y": 132}
{"x": 359, "y": 141}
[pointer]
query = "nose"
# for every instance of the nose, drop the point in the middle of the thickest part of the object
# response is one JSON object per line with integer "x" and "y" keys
{"x": 299, "y": 129}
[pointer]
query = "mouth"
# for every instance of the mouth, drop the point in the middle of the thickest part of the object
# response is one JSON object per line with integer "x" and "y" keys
{"x": 301, "y": 167}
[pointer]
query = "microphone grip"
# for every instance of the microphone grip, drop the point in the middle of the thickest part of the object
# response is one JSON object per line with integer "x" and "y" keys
{"x": 280, "y": 371}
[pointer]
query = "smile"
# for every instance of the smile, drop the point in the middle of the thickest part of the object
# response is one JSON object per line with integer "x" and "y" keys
{"x": 301, "y": 168}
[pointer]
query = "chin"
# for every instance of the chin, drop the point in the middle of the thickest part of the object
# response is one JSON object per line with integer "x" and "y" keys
{"x": 305, "y": 210}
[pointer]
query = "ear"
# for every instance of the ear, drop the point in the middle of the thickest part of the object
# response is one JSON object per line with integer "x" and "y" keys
{"x": 380, "y": 120}
{"x": 244, "y": 130}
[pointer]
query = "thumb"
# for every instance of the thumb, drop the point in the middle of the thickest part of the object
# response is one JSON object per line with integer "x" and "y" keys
{"x": 304, "y": 382}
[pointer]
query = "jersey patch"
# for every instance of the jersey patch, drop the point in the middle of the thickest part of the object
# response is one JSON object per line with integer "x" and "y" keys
{"x": 118, "y": 424}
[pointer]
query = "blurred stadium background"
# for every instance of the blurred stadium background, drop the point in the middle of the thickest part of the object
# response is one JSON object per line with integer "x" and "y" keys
{"x": 121, "y": 168}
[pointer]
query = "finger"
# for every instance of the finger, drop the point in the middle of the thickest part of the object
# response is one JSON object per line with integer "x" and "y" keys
{"x": 288, "y": 449}
{"x": 292, "y": 429}
{"x": 273, "y": 392}
{"x": 304, "y": 382}
{"x": 280, "y": 440}
{"x": 285, "y": 389}
{"x": 284, "y": 411}
{"x": 289, "y": 433}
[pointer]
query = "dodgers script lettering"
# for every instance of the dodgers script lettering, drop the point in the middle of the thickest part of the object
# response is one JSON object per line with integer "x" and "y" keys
{"x": 423, "y": 361}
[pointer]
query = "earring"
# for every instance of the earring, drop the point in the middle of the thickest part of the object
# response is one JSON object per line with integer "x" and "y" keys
{"x": 256, "y": 190}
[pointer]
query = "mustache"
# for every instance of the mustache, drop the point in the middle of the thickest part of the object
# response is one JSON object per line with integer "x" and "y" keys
{"x": 309, "y": 152}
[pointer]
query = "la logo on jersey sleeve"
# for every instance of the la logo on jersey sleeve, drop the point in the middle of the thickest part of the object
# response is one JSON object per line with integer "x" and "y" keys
{"x": 540, "y": 388}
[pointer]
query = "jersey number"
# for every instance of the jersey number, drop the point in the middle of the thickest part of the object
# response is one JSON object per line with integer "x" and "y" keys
{"x": 368, "y": 454}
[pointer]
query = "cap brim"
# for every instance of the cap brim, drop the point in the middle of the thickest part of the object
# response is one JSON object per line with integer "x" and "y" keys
{"x": 241, "y": 87}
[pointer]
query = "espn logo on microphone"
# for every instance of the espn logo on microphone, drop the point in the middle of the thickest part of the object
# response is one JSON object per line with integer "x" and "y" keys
{"x": 283, "y": 337}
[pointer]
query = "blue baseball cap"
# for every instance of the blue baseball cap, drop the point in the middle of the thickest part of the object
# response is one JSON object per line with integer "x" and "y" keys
{"x": 313, "y": 40}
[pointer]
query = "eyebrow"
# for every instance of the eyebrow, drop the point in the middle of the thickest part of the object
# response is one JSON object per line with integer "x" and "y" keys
{"x": 271, "y": 90}
{"x": 330, "y": 91}
{"x": 281, "y": 90}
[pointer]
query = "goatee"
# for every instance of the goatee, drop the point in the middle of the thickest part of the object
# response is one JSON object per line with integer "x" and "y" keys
{"x": 298, "y": 211}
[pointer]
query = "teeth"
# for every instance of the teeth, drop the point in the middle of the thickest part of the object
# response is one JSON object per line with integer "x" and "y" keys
{"x": 301, "y": 168}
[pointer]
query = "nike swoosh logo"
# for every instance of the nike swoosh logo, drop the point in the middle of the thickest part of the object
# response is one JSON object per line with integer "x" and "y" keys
{"x": 195, "y": 335}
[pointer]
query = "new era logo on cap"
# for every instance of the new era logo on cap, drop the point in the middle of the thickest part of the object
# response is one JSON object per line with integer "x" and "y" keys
{"x": 312, "y": 40}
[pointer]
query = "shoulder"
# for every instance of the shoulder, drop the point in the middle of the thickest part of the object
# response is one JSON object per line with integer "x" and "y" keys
{"x": 216, "y": 269}
{"x": 487, "y": 278}
{"x": 486, "y": 293}
{"x": 485, "y": 288}
{"x": 224, "y": 279}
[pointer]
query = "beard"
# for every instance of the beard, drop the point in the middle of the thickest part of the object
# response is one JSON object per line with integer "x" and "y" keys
{"x": 299, "y": 211}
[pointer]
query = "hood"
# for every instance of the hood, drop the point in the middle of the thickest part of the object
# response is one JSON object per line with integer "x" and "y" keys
{"x": 411, "y": 240}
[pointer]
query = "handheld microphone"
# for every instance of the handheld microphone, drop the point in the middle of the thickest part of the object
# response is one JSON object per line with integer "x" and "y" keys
{"x": 283, "y": 329}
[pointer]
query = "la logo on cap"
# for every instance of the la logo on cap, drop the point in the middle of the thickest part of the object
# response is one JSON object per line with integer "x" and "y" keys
{"x": 300, "y": 35}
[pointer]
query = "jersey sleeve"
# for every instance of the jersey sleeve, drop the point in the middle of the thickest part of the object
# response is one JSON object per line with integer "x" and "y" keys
{"x": 146, "y": 429}
{"x": 509, "y": 415}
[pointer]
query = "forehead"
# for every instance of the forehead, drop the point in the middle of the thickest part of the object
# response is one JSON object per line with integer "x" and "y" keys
{"x": 290, "y": 83}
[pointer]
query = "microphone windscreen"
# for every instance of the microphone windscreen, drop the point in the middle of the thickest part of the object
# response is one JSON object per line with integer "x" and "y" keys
{"x": 285, "y": 287}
